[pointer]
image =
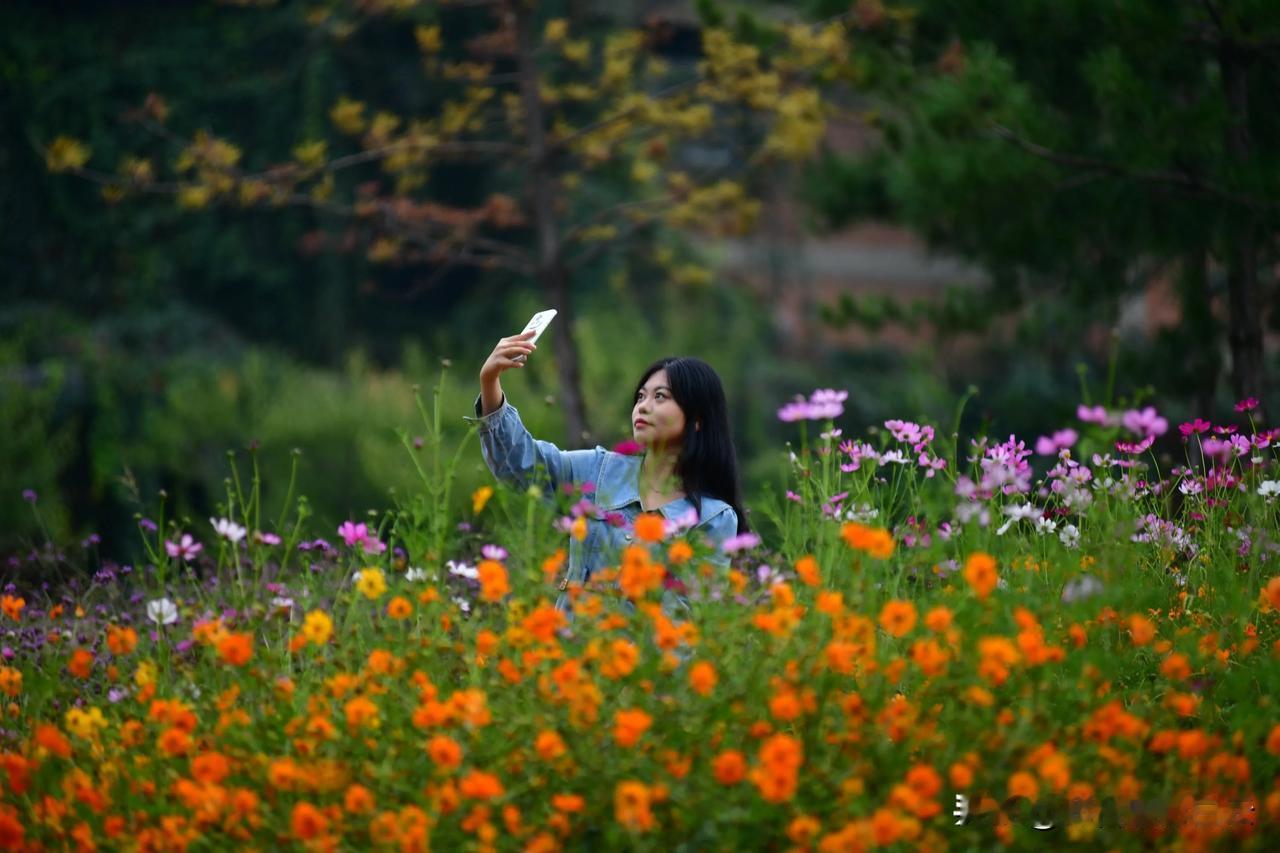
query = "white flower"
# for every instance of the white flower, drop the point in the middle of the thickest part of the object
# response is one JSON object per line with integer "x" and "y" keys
{"x": 1046, "y": 525}
{"x": 1069, "y": 535}
{"x": 162, "y": 611}
{"x": 895, "y": 455}
{"x": 463, "y": 604}
{"x": 462, "y": 570}
{"x": 1081, "y": 588}
{"x": 1269, "y": 489}
{"x": 228, "y": 529}
{"x": 415, "y": 574}
{"x": 282, "y": 603}
{"x": 1191, "y": 487}
{"x": 1016, "y": 513}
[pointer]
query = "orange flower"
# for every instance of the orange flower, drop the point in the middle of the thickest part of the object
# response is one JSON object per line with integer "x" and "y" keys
{"x": 1176, "y": 667}
{"x": 929, "y": 656}
{"x": 874, "y": 541}
{"x": 1141, "y": 630}
{"x": 358, "y": 799}
{"x": 479, "y": 785}
{"x": 210, "y": 768}
{"x": 629, "y": 725}
{"x": 1023, "y": 784}
{"x": 493, "y": 580}
{"x": 543, "y": 623}
{"x": 631, "y": 805}
{"x": 650, "y": 527}
{"x": 807, "y": 570}
{"x": 622, "y": 659}
{"x": 549, "y": 745}
{"x": 174, "y": 741}
{"x": 12, "y": 606}
{"x": 729, "y": 767}
{"x": 1273, "y": 740}
{"x": 487, "y": 642}
{"x": 308, "y": 821}
{"x": 81, "y": 663}
{"x": 569, "y": 803}
{"x": 121, "y": 641}
{"x": 702, "y": 678}
{"x": 1269, "y": 599}
{"x": 445, "y": 752}
{"x": 898, "y": 617}
{"x": 50, "y": 738}
{"x": 236, "y": 649}
{"x": 399, "y": 608}
{"x": 938, "y": 619}
{"x": 360, "y": 712}
{"x": 679, "y": 553}
{"x": 639, "y": 576}
{"x": 980, "y": 573}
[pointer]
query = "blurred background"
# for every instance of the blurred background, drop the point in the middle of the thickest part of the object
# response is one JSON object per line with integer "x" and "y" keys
{"x": 265, "y": 224}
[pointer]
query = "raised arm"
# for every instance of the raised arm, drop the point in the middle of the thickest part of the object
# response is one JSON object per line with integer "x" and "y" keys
{"x": 512, "y": 454}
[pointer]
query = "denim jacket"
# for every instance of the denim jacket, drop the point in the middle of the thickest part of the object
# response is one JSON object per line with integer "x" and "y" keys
{"x": 514, "y": 456}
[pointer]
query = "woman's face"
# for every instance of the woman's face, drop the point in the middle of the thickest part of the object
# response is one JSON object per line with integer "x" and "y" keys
{"x": 656, "y": 419}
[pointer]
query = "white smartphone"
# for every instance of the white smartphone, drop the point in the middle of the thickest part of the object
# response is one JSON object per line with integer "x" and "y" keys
{"x": 538, "y": 323}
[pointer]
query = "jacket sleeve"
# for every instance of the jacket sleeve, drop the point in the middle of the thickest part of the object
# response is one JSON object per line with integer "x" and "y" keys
{"x": 518, "y": 459}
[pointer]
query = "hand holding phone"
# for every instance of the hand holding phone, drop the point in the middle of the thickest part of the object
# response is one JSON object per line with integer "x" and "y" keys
{"x": 514, "y": 351}
{"x": 537, "y": 324}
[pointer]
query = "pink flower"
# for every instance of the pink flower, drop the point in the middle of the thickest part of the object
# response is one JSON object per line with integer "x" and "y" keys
{"x": 1050, "y": 445}
{"x": 353, "y": 534}
{"x": 1248, "y": 404}
{"x": 1145, "y": 423}
{"x": 358, "y": 534}
{"x": 267, "y": 538}
{"x": 628, "y": 447}
{"x": 494, "y": 552}
{"x": 741, "y": 542}
{"x": 1092, "y": 414}
{"x": 822, "y": 404}
{"x": 1139, "y": 447}
{"x": 792, "y": 496}
{"x": 932, "y": 465}
{"x": 185, "y": 548}
{"x": 1195, "y": 427}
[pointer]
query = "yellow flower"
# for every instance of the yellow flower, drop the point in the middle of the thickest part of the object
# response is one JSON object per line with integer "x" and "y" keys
{"x": 556, "y": 30}
{"x": 428, "y": 38}
{"x": 579, "y": 528}
{"x": 317, "y": 627}
{"x": 480, "y": 497}
{"x": 85, "y": 722}
{"x": 145, "y": 674}
{"x": 371, "y": 584}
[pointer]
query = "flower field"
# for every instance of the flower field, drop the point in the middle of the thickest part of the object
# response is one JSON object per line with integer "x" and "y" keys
{"x": 928, "y": 643}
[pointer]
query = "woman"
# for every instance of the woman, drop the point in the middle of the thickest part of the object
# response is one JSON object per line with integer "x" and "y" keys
{"x": 688, "y": 472}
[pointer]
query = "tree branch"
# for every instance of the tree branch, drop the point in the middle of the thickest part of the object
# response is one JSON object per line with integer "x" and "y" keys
{"x": 1178, "y": 180}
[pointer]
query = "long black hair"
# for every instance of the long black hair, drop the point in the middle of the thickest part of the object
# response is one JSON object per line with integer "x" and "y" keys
{"x": 708, "y": 462}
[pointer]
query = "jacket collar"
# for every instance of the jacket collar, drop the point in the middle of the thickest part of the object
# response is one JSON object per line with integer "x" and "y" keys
{"x": 620, "y": 485}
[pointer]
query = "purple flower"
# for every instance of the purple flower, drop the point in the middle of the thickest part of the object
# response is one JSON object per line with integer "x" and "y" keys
{"x": 1145, "y": 423}
{"x": 792, "y": 496}
{"x": 266, "y": 538}
{"x": 910, "y": 433}
{"x": 148, "y": 525}
{"x": 1050, "y": 445}
{"x": 185, "y": 548}
{"x": 29, "y": 495}
{"x": 1248, "y": 404}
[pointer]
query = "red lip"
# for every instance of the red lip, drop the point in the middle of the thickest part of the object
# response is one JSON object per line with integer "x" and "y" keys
{"x": 641, "y": 422}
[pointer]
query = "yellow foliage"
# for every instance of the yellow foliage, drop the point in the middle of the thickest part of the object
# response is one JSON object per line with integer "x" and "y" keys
{"x": 428, "y": 38}
{"x": 65, "y": 154}
{"x": 194, "y": 196}
{"x": 576, "y": 52}
{"x": 556, "y": 31}
{"x": 310, "y": 154}
{"x": 348, "y": 116}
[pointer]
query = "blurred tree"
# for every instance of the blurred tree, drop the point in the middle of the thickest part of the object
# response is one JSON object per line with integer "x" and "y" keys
{"x": 579, "y": 142}
{"x": 1078, "y": 145}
